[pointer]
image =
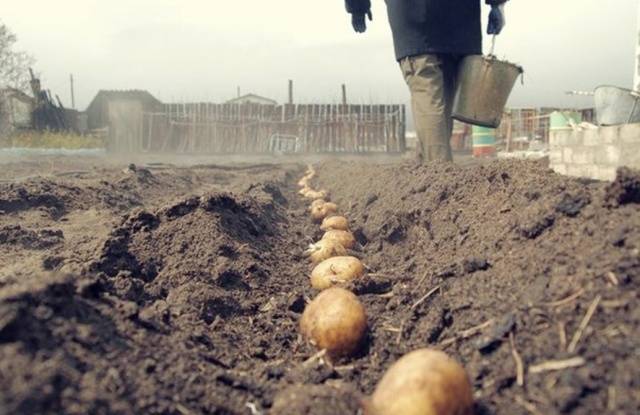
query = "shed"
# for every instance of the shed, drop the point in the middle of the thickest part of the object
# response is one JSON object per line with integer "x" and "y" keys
{"x": 252, "y": 99}
{"x": 98, "y": 110}
{"x": 16, "y": 109}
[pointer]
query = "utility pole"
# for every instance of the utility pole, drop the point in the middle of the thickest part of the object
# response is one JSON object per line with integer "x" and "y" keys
{"x": 636, "y": 72}
{"x": 73, "y": 94}
{"x": 290, "y": 92}
{"x": 238, "y": 92}
{"x": 344, "y": 94}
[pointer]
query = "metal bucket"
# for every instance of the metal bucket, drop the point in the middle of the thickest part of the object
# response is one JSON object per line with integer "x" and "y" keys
{"x": 484, "y": 86}
{"x": 616, "y": 106}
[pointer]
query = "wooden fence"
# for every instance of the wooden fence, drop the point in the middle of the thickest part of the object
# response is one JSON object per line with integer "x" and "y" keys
{"x": 253, "y": 128}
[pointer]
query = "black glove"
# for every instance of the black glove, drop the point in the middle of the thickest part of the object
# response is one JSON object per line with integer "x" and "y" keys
{"x": 359, "y": 22}
{"x": 496, "y": 20}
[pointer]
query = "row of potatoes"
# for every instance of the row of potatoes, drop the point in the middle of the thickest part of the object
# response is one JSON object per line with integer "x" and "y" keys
{"x": 423, "y": 382}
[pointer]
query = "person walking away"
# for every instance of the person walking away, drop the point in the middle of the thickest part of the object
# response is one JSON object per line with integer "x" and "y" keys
{"x": 430, "y": 38}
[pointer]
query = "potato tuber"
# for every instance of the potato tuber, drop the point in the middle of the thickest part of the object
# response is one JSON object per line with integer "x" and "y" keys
{"x": 346, "y": 238}
{"x": 304, "y": 182}
{"x": 304, "y": 191}
{"x": 423, "y": 382}
{"x": 336, "y": 270}
{"x": 334, "y": 321}
{"x": 335, "y": 223}
{"x": 322, "y": 211}
{"x": 325, "y": 249}
{"x": 316, "y": 194}
{"x": 317, "y": 203}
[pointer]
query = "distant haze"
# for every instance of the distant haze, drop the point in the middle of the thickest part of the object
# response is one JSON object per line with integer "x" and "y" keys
{"x": 201, "y": 50}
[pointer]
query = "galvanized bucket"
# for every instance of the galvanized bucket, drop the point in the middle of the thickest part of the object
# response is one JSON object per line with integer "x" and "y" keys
{"x": 484, "y": 86}
{"x": 616, "y": 106}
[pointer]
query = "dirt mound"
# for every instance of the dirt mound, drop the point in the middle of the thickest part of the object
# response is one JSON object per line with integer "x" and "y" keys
{"x": 49, "y": 333}
{"x": 478, "y": 254}
{"x": 174, "y": 304}
{"x": 57, "y": 198}
{"x": 625, "y": 189}
{"x": 39, "y": 194}
{"x": 188, "y": 304}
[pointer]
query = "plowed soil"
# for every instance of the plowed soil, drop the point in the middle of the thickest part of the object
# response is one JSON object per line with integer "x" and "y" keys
{"x": 167, "y": 290}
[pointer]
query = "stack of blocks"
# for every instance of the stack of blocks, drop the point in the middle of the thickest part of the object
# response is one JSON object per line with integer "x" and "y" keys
{"x": 595, "y": 153}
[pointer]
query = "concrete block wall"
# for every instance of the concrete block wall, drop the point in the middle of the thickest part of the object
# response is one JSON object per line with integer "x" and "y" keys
{"x": 595, "y": 153}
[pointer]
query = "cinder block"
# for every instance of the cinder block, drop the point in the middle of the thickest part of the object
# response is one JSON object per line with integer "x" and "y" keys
{"x": 608, "y": 155}
{"x": 555, "y": 156}
{"x": 579, "y": 171}
{"x": 555, "y": 140}
{"x": 609, "y": 135}
{"x": 559, "y": 168}
{"x": 574, "y": 138}
{"x": 558, "y": 138}
{"x": 630, "y": 133}
{"x": 630, "y": 155}
{"x": 591, "y": 138}
{"x": 567, "y": 154}
{"x": 583, "y": 155}
{"x": 605, "y": 174}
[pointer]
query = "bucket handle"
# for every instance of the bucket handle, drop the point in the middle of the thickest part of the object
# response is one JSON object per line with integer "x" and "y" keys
{"x": 633, "y": 110}
{"x": 492, "y": 54}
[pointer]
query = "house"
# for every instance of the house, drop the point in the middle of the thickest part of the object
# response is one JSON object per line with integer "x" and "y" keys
{"x": 252, "y": 99}
{"x": 98, "y": 110}
{"x": 16, "y": 109}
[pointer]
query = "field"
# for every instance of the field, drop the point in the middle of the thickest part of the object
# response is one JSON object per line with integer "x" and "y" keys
{"x": 177, "y": 289}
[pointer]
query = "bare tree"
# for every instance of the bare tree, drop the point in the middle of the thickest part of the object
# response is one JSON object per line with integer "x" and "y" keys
{"x": 14, "y": 64}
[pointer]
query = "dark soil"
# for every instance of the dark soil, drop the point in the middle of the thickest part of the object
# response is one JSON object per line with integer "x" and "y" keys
{"x": 502, "y": 243}
{"x": 178, "y": 291}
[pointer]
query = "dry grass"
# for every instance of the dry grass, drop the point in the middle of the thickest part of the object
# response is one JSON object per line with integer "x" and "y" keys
{"x": 51, "y": 140}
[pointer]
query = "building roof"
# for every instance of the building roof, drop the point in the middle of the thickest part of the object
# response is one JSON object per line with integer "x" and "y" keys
{"x": 16, "y": 94}
{"x": 137, "y": 94}
{"x": 252, "y": 98}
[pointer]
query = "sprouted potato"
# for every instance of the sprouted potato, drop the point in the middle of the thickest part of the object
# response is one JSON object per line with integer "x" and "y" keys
{"x": 339, "y": 223}
{"x": 346, "y": 238}
{"x": 336, "y": 270}
{"x": 325, "y": 249}
{"x": 324, "y": 210}
{"x": 317, "y": 194}
{"x": 334, "y": 321}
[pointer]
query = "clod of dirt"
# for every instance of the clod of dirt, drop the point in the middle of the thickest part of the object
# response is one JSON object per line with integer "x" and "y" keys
{"x": 181, "y": 208}
{"x": 30, "y": 239}
{"x": 317, "y": 400}
{"x": 156, "y": 316}
{"x": 371, "y": 285}
{"x": 572, "y": 205}
{"x": 40, "y": 194}
{"x": 467, "y": 266}
{"x": 296, "y": 303}
{"x": 488, "y": 342}
{"x": 624, "y": 190}
{"x": 535, "y": 226}
{"x": 51, "y": 263}
{"x": 471, "y": 265}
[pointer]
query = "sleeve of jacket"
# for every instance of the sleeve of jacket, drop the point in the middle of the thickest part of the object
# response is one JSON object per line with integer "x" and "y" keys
{"x": 496, "y": 2}
{"x": 358, "y": 6}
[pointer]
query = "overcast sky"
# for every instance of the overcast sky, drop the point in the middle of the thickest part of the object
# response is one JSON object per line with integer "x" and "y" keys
{"x": 202, "y": 49}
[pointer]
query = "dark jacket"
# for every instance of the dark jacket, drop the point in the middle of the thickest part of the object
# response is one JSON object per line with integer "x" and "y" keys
{"x": 431, "y": 26}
